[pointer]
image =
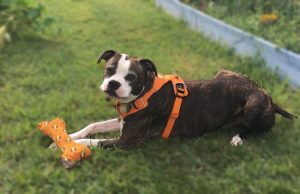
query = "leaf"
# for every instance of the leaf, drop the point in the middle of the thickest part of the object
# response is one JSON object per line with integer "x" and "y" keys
{"x": 33, "y": 13}
{"x": 48, "y": 21}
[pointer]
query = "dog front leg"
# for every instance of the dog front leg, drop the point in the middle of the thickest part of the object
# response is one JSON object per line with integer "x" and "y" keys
{"x": 100, "y": 127}
{"x": 104, "y": 143}
{"x": 92, "y": 142}
{"x": 107, "y": 143}
{"x": 124, "y": 142}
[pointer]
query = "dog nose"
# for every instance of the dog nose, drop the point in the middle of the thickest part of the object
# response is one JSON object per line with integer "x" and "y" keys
{"x": 113, "y": 85}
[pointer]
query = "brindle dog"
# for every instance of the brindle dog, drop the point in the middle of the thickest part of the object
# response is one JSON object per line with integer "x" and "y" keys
{"x": 230, "y": 100}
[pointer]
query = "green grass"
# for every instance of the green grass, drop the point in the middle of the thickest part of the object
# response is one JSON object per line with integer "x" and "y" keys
{"x": 246, "y": 15}
{"x": 57, "y": 76}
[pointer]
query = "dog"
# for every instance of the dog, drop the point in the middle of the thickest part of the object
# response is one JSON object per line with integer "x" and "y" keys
{"x": 230, "y": 100}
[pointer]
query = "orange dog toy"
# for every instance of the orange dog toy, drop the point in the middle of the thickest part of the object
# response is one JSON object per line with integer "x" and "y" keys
{"x": 72, "y": 151}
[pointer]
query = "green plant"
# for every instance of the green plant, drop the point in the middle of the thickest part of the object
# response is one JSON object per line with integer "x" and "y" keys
{"x": 20, "y": 15}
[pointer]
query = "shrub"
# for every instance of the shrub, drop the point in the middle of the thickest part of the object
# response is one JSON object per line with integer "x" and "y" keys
{"x": 18, "y": 16}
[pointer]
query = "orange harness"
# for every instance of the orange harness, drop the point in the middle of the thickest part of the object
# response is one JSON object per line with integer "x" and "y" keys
{"x": 180, "y": 91}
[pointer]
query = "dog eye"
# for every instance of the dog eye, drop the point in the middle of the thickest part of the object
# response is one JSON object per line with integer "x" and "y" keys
{"x": 130, "y": 77}
{"x": 109, "y": 71}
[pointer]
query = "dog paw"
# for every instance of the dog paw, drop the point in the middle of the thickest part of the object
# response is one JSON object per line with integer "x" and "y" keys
{"x": 236, "y": 141}
{"x": 53, "y": 146}
{"x": 68, "y": 164}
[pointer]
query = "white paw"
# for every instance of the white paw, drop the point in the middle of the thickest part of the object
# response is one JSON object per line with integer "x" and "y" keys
{"x": 67, "y": 163}
{"x": 53, "y": 146}
{"x": 236, "y": 141}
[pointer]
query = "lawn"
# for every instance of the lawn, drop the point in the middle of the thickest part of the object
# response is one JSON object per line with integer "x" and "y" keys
{"x": 56, "y": 75}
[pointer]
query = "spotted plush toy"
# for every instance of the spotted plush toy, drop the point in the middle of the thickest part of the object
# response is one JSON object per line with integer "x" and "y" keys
{"x": 72, "y": 152}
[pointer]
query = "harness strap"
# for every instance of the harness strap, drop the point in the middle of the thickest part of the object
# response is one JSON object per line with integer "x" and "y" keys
{"x": 180, "y": 91}
{"x": 173, "y": 116}
{"x": 142, "y": 102}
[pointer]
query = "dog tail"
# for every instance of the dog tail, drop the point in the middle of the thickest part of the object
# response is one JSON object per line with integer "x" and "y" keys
{"x": 283, "y": 112}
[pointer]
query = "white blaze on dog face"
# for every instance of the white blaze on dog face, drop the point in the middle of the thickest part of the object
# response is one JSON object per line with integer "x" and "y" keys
{"x": 116, "y": 82}
{"x": 125, "y": 78}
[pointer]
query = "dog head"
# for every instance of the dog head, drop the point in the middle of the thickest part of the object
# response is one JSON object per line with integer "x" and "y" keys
{"x": 125, "y": 77}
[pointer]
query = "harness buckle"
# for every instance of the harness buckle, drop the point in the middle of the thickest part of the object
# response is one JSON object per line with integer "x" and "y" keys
{"x": 180, "y": 89}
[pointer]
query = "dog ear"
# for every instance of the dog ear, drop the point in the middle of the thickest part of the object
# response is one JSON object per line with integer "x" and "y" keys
{"x": 149, "y": 65}
{"x": 106, "y": 55}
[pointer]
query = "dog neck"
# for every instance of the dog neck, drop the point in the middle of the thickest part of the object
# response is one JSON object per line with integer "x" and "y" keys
{"x": 131, "y": 98}
{"x": 125, "y": 105}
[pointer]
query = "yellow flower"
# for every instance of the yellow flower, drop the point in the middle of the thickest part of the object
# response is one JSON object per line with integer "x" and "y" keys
{"x": 268, "y": 18}
{"x": 2, "y": 36}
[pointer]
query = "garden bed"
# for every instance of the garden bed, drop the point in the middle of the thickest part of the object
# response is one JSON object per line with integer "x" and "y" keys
{"x": 277, "y": 21}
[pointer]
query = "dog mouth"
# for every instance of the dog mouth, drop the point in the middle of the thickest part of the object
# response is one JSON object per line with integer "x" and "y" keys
{"x": 111, "y": 94}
